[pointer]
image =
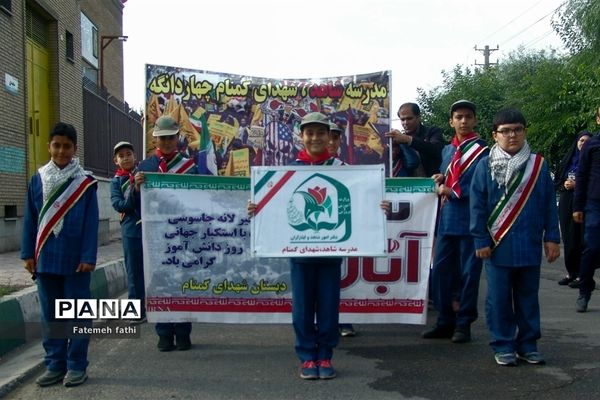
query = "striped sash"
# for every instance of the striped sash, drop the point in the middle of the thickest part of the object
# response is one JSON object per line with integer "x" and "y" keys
{"x": 179, "y": 165}
{"x": 126, "y": 188}
{"x": 470, "y": 150}
{"x": 334, "y": 161}
{"x": 511, "y": 204}
{"x": 57, "y": 205}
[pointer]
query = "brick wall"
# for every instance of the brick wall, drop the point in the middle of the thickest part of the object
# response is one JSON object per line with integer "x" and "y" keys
{"x": 13, "y": 108}
{"x": 108, "y": 17}
{"x": 65, "y": 85}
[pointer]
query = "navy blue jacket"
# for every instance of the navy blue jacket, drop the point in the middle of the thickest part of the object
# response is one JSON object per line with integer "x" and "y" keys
{"x": 429, "y": 142}
{"x": 130, "y": 225}
{"x": 537, "y": 222}
{"x": 77, "y": 241}
{"x": 588, "y": 175}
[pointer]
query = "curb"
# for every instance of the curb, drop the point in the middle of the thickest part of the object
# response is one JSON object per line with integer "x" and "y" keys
{"x": 20, "y": 311}
{"x": 20, "y": 324}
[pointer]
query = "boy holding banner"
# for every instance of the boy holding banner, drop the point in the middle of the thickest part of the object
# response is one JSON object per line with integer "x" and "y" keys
{"x": 167, "y": 160}
{"x": 123, "y": 201}
{"x": 513, "y": 210}
{"x": 59, "y": 245}
{"x": 455, "y": 265}
{"x": 315, "y": 280}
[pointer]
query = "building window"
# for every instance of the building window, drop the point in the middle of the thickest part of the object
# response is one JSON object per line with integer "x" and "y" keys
{"x": 69, "y": 40}
{"x": 6, "y": 6}
{"x": 89, "y": 41}
{"x": 95, "y": 42}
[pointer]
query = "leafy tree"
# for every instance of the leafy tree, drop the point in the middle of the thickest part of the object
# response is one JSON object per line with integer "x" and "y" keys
{"x": 578, "y": 25}
{"x": 558, "y": 94}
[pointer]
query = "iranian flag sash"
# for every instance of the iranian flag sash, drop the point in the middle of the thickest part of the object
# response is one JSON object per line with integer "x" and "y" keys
{"x": 57, "y": 205}
{"x": 179, "y": 165}
{"x": 470, "y": 151}
{"x": 511, "y": 204}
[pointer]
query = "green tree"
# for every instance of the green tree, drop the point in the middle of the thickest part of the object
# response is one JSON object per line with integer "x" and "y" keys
{"x": 577, "y": 23}
{"x": 558, "y": 93}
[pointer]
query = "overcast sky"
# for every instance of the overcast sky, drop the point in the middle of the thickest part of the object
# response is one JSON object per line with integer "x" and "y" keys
{"x": 415, "y": 39}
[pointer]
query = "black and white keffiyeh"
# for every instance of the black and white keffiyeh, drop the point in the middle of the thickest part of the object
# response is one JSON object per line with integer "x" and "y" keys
{"x": 53, "y": 176}
{"x": 504, "y": 167}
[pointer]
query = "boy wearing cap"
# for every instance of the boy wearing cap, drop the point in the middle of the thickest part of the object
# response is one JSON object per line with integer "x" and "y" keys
{"x": 454, "y": 250}
{"x": 167, "y": 159}
{"x": 513, "y": 210}
{"x": 315, "y": 280}
{"x": 335, "y": 137}
{"x": 59, "y": 245}
{"x": 123, "y": 201}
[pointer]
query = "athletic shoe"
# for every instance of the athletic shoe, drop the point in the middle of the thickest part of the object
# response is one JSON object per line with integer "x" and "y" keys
{"x": 74, "y": 378}
{"x": 326, "y": 370}
{"x": 462, "y": 334}
{"x": 50, "y": 378}
{"x": 506, "y": 359}
{"x": 533, "y": 357}
{"x": 347, "y": 330}
{"x": 309, "y": 370}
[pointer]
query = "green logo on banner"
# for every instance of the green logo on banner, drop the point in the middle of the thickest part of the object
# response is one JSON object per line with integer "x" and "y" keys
{"x": 321, "y": 206}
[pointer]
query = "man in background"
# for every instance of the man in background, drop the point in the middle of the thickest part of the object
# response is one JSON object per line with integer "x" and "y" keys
{"x": 428, "y": 141}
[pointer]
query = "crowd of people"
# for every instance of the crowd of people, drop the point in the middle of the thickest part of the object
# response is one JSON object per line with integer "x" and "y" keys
{"x": 497, "y": 209}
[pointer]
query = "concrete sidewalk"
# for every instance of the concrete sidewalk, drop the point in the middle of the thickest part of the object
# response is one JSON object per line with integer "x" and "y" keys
{"x": 12, "y": 272}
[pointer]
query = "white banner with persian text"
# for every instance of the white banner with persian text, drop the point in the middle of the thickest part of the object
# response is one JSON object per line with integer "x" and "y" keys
{"x": 311, "y": 211}
{"x": 198, "y": 264}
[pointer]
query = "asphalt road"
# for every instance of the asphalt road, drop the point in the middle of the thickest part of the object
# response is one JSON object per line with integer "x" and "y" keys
{"x": 381, "y": 362}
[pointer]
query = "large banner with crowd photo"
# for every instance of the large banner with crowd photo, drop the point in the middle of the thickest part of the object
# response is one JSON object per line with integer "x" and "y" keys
{"x": 198, "y": 264}
{"x": 232, "y": 122}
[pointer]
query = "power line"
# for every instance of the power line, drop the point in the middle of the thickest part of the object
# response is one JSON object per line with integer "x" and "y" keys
{"x": 511, "y": 21}
{"x": 529, "y": 26}
{"x": 539, "y": 38}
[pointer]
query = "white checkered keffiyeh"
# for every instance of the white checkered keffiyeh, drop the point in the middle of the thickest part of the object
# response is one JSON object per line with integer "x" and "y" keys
{"x": 504, "y": 167}
{"x": 52, "y": 177}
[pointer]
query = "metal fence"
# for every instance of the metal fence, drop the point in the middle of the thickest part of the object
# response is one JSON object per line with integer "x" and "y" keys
{"x": 107, "y": 121}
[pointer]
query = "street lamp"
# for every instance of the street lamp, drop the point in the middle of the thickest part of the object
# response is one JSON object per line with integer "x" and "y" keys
{"x": 103, "y": 45}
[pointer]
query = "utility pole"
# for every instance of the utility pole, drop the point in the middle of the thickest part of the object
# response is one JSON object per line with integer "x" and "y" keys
{"x": 486, "y": 55}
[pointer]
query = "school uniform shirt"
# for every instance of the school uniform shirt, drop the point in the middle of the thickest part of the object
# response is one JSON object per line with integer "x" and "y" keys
{"x": 130, "y": 225}
{"x": 77, "y": 241}
{"x": 537, "y": 222}
{"x": 455, "y": 213}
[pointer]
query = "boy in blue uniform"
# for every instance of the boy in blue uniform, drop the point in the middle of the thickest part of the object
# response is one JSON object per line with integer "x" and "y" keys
{"x": 315, "y": 280}
{"x": 123, "y": 201}
{"x": 454, "y": 249}
{"x": 513, "y": 210}
{"x": 167, "y": 160}
{"x": 59, "y": 245}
